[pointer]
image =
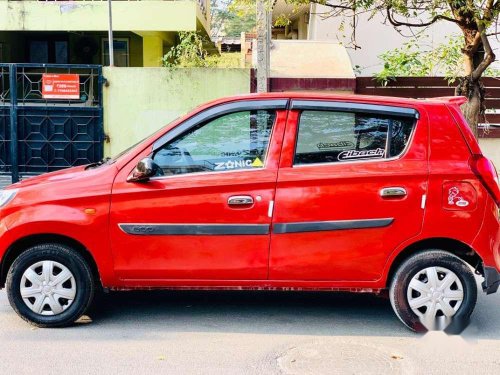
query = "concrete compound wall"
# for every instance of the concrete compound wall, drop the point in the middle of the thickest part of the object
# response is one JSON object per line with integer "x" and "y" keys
{"x": 139, "y": 101}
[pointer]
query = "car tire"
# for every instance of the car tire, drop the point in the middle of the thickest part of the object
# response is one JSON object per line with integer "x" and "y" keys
{"x": 423, "y": 302}
{"x": 50, "y": 285}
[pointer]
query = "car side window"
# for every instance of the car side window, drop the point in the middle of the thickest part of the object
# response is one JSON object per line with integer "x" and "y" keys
{"x": 331, "y": 136}
{"x": 234, "y": 141}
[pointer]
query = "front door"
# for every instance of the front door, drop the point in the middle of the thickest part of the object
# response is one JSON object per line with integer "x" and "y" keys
{"x": 207, "y": 217}
{"x": 351, "y": 188}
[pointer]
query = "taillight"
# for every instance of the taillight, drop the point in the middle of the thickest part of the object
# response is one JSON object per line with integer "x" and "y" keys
{"x": 487, "y": 174}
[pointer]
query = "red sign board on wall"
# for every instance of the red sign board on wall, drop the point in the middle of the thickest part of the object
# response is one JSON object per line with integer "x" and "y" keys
{"x": 60, "y": 86}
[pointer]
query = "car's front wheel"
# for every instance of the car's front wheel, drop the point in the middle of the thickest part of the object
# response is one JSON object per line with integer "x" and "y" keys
{"x": 50, "y": 285}
{"x": 434, "y": 290}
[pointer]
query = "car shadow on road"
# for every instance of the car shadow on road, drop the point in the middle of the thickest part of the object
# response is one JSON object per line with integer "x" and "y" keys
{"x": 259, "y": 312}
{"x": 262, "y": 312}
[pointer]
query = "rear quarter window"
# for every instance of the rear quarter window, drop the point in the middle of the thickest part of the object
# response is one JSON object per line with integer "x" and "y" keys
{"x": 333, "y": 136}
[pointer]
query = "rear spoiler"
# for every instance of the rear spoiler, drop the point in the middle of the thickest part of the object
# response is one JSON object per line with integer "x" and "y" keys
{"x": 454, "y": 100}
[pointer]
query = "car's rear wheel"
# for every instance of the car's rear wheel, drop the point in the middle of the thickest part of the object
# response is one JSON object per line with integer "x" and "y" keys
{"x": 50, "y": 285}
{"x": 434, "y": 290}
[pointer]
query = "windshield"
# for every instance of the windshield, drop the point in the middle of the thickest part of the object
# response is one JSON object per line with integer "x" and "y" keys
{"x": 119, "y": 155}
{"x": 111, "y": 160}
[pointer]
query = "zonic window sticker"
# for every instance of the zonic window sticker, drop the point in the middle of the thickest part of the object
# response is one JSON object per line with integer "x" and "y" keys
{"x": 236, "y": 164}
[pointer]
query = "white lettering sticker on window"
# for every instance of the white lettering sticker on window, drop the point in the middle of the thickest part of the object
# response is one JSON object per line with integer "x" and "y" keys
{"x": 353, "y": 154}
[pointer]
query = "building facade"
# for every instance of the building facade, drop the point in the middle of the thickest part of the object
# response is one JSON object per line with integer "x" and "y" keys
{"x": 373, "y": 35}
{"x": 75, "y": 32}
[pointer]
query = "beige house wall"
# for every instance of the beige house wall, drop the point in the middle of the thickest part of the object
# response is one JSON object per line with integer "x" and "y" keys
{"x": 491, "y": 148}
{"x": 374, "y": 35}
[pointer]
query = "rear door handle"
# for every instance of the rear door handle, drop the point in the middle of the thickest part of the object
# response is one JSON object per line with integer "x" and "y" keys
{"x": 394, "y": 191}
{"x": 240, "y": 200}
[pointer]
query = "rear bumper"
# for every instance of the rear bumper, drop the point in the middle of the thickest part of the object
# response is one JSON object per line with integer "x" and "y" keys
{"x": 491, "y": 280}
{"x": 487, "y": 246}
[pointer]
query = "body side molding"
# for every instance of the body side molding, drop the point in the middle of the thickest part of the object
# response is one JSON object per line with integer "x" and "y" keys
{"x": 146, "y": 229}
{"x": 317, "y": 226}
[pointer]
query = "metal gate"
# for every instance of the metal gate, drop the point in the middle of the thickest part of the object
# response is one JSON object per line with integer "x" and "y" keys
{"x": 40, "y": 135}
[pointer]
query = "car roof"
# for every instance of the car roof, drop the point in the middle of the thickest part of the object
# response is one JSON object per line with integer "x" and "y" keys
{"x": 311, "y": 95}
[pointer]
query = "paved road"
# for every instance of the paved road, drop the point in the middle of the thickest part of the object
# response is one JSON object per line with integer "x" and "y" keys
{"x": 247, "y": 333}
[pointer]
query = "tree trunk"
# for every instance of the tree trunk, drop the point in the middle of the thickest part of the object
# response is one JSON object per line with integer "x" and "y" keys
{"x": 478, "y": 55}
{"x": 474, "y": 109}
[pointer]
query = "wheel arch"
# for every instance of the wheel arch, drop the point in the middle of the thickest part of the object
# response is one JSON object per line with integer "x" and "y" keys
{"x": 23, "y": 244}
{"x": 450, "y": 245}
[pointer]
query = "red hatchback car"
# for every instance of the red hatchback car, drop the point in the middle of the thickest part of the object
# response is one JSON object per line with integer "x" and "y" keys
{"x": 278, "y": 191}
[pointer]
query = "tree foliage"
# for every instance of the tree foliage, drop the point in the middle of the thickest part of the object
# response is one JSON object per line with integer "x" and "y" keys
{"x": 416, "y": 58}
{"x": 190, "y": 52}
{"x": 231, "y": 18}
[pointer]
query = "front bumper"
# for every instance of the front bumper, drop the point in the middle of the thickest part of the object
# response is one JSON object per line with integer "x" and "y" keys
{"x": 491, "y": 280}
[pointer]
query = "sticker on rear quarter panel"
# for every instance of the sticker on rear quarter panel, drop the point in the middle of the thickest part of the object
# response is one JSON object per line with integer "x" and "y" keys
{"x": 459, "y": 196}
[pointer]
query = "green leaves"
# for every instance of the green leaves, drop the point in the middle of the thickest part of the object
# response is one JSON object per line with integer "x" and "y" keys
{"x": 191, "y": 53}
{"x": 416, "y": 58}
{"x": 231, "y": 18}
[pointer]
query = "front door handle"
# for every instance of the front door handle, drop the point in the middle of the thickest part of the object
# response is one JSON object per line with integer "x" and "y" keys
{"x": 240, "y": 200}
{"x": 394, "y": 191}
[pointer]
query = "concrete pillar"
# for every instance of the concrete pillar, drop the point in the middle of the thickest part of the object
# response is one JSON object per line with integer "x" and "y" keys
{"x": 152, "y": 50}
{"x": 262, "y": 47}
{"x": 303, "y": 27}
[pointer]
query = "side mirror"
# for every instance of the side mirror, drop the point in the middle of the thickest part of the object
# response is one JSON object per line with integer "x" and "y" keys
{"x": 144, "y": 170}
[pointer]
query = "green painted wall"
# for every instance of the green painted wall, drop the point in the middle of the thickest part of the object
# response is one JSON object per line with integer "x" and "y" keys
{"x": 153, "y": 15}
{"x": 139, "y": 101}
{"x": 152, "y": 50}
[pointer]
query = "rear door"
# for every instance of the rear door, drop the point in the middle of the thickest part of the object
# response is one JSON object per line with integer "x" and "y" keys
{"x": 351, "y": 188}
